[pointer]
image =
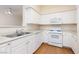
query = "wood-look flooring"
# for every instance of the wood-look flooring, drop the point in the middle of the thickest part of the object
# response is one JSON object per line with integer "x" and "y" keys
{"x": 48, "y": 49}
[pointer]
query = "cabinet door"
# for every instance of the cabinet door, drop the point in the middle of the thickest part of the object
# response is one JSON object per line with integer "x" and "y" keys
{"x": 19, "y": 46}
{"x": 45, "y": 38}
{"x": 47, "y": 18}
{"x": 67, "y": 39}
{"x": 20, "y": 49}
{"x": 5, "y": 48}
{"x": 32, "y": 16}
{"x": 75, "y": 44}
{"x": 38, "y": 41}
{"x": 75, "y": 47}
{"x": 34, "y": 43}
{"x": 35, "y": 16}
{"x": 68, "y": 17}
{"x": 31, "y": 44}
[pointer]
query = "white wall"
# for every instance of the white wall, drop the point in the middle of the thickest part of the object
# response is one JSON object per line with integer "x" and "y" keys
{"x": 8, "y": 20}
{"x": 32, "y": 27}
{"x": 8, "y": 30}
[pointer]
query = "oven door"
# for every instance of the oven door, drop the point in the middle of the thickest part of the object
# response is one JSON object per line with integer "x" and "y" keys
{"x": 55, "y": 38}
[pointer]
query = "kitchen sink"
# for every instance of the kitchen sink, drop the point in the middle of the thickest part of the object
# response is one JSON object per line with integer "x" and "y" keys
{"x": 16, "y": 34}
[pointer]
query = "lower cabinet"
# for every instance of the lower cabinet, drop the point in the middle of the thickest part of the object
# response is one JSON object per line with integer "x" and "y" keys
{"x": 70, "y": 40}
{"x": 38, "y": 41}
{"x": 5, "y": 48}
{"x": 75, "y": 44}
{"x": 76, "y": 48}
{"x": 24, "y": 45}
{"x": 20, "y": 49}
{"x": 31, "y": 44}
{"x": 67, "y": 39}
{"x": 19, "y": 46}
{"x": 34, "y": 43}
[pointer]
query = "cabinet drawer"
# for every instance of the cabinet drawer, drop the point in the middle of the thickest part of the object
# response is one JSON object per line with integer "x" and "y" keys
{"x": 18, "y": 42}
{"x": 20, "y": 49}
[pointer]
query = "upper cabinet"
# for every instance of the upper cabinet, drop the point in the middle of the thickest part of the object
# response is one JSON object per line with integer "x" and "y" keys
{"x": 42, "y": 15}
{"x": 31, "y": 15}
{"x": 66, "y": 17}
{"x": 69, "y": 17}
{"x": 58, "y": 14}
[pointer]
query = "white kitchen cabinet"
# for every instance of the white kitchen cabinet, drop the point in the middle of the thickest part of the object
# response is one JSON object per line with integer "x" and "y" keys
{"x": 24, "y": 45}
{"x": 31, "y": 44}
{"x": 20, "y": 49}
{"x": 34, "y": 43}
{"x": 38, "y": 40}
{"x": 75, "y": 47}
{"x": 74, "y": 43}
{"x": 69, "y": 17}
{"x": 19, "y": 46}
{"x": 71, "y": 41}
{"x": 5, "y": 48}
{"x": 30, "y": 16}
{"x": 45, "y": 37}
{"x": 66, "y": 17}
{"x": 33, "y": 16}
{"x": 50, "y": 19}
{"x": 67, "y": 39}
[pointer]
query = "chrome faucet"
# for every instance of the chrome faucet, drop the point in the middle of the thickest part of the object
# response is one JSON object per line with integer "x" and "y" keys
{"x": 19, "y": 32}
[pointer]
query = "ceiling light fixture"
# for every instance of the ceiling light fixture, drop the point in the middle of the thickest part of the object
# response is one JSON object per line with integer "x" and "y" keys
{"x": 9, "y": 11}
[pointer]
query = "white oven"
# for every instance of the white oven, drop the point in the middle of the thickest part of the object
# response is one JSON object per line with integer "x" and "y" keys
{"x": 55, "y": 37}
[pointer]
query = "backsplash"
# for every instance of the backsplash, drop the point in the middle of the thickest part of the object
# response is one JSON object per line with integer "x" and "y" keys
{"x": 7, "y": 30}
{"x": 63, "y": 27}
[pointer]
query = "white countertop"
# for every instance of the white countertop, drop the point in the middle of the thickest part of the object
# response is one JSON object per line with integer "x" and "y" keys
{"x": 6, "y": 39}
